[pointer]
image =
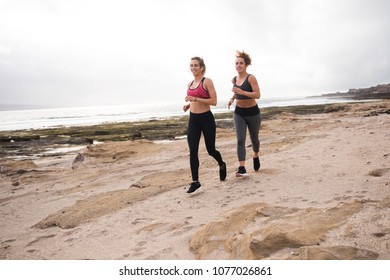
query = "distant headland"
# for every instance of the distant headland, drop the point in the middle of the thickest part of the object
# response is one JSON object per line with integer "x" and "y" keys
{"x": 374, "y": 92}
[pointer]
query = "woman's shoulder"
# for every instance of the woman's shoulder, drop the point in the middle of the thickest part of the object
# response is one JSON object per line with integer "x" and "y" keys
{"x": 251, "y": 78}
{"x": 208, "y": 84}
{"x": 207, "y": 80}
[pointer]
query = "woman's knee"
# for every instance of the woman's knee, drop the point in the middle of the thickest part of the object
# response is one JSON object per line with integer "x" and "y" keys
{"x": 241, "y": 141}
{"x": 212, "y": 152}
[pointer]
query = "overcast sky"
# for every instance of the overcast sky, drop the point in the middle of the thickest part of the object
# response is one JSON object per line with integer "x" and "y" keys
{"x": 89, "y": 52}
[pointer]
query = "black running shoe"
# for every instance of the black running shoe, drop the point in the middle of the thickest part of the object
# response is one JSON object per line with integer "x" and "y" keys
{"x": 194, "y": 186}
{"x": 241, "y": 172}
{"x": 256, "y": 163}
{"x": 222, "y": 172}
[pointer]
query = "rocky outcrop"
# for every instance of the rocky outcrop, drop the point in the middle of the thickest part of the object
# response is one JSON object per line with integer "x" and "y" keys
{"x": 264, "y": 231}
{"x": 375, "y": 92}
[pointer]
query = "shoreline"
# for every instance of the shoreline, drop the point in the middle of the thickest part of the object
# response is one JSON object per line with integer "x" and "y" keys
{"x": 35, "y": 142}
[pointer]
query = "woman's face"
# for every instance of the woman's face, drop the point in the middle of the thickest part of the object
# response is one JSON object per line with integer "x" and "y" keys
{"x": 195, "y": 67}
{"x": 240, "y": 65}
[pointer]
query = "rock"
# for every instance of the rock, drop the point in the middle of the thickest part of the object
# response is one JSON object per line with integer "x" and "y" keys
{"x": 334, "y": 108}
{"x": 77, "y": 162}
{"x": 136, "y": 135}
{"x": 259, "y": 231}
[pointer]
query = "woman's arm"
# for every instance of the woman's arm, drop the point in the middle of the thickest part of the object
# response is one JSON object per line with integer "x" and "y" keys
{"x": 255, "y": 86}
{"x": 231, "y": 101}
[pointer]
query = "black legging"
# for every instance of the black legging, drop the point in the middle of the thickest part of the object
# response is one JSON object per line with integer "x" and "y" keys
{"x": 197, "y": 124}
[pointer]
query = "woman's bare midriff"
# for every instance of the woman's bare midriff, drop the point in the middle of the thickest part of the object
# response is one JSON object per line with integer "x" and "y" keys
{"x": 199, "y": 108}
{"x": 245, "y": 103}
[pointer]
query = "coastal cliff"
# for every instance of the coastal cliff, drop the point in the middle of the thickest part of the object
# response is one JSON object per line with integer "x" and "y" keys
{"x": 374, "y": 92}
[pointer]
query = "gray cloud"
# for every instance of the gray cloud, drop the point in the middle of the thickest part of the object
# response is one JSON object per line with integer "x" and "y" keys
{"x": 69, "y": 53}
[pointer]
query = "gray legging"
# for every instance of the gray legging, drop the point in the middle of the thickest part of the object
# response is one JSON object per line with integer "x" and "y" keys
{"x": 253, "y": 124}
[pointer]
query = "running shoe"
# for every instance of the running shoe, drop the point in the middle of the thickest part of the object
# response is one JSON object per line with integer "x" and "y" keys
{"x": 241, "y": 172}
{"x": 222, "y": 172}
{"x": 194, "y": 186}
{"x": 256, "y": 163}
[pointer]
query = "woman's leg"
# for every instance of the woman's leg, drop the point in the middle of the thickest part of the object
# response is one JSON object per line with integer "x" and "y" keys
{"x": 209, "y": 132}
{"x": 254, "y": 128}
{"x": 193, "y": 138}
{"x": 240, "y": 128}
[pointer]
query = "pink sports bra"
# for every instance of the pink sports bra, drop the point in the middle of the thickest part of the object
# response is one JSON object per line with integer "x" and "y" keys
{"x": 199, "y": 91}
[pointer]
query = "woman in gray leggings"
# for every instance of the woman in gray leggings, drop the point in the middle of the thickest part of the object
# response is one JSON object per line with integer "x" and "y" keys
{"x": 247, "y": 113}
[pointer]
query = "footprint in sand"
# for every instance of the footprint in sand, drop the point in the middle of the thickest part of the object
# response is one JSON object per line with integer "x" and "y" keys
{"x": 9, "y": 241}
{"x": 137, "y": 254}
{"x": 187, "y": 228}
{"x": 139, "y": 220}
{"x": 254, "y": 193}
{"x": 167, "y": 250}
{"x": 139, "y": 250}
{"x": 71, "y": 239}
{"x": 40, "y": 238}
{"x": 196, "y": 205}
{"x": 32, "y": 251}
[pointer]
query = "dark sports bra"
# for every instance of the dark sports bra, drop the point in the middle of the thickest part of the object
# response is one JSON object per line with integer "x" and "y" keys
{"x": 246, "y": 86}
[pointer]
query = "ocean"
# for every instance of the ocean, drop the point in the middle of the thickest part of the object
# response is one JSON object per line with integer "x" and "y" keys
{"x": 79, "y": 116}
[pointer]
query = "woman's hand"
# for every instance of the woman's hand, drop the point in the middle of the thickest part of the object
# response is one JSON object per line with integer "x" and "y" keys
{"x": 186, "y": 107}
{"x": 238, "y": 90}
{"x": 190, "y": 99}
{"x": 230, "y": 103}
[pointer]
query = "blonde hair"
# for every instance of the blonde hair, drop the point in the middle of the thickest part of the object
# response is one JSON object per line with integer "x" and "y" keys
{"x": 245, "y": 56}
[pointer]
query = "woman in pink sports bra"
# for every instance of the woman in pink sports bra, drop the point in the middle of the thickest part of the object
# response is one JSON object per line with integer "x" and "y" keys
{"x": 201, "y": 94}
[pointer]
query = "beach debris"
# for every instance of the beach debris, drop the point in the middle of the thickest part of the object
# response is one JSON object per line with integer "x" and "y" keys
{"x": 78, "y": 161}
{"x": 372, "y": 114}
{"x": 3, "y": 170}
{"x": 377, "y": 113}
{"x": 136, "y": 135}
{"x": 378, "y": 172}
{"x": 138, "y": 185}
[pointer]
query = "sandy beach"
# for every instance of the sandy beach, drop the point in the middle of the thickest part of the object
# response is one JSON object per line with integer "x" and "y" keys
{"x": 323, "y": 192}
